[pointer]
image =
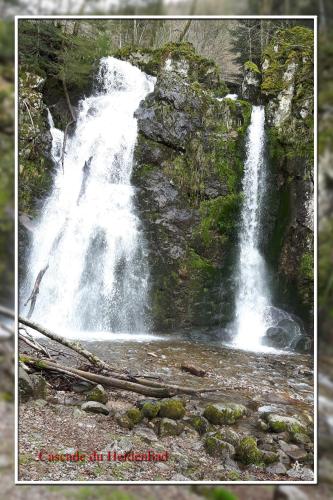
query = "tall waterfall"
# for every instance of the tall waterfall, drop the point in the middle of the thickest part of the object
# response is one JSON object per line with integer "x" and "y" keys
{"x": 88, "y": 237}
{"x": 253, "y": 299}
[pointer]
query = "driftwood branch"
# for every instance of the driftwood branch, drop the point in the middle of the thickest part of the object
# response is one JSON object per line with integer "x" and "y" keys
{"x": 98, "y": 379}
{"x": 75, "y": 346}
{"x": 128, "y": 382}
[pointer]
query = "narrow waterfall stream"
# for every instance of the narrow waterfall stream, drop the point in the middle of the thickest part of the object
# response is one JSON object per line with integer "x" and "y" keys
{"x": 255, "y": 314}
{"x": 89, "y": 235}
{"x": 253, "y": 295}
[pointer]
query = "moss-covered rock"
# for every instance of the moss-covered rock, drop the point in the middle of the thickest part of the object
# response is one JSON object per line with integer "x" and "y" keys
{"x": 280, "y": 423}
{"x": 216, "y": 447}
{"x": 221, "y": 413}
{"x": 172, "y": 408}
{"x": 189, "y": 165}
{"x": 134, "y": 415}
{"x": 150, "y": 409}
{"x": 169, "y": 427}
{"x": 97, "y": 394}
{"x": 248, "y": 453}
{"x": 200, "y": 424}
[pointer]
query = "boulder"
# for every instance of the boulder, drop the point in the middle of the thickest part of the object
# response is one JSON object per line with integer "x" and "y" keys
{"x": 217, "y": 447}
{"x": 134, "y": 415}
{"x": 169, "y": 427}
{"x": 224, "y": 413}
{"x": 293, "y": 451}
{"x": 98, "y": 394}
{"x": 95, "y": 407}
{"x": 172, "y": 408}
{"x": 281, "y": 423}
{"x": 25, "y": 385}
{"x": 278, "y": 468}
{"x": 248, "y": 453}
{"x": 150, "y": 409}
{"x": 200, "y": 424}
{"x": 40, "y": 386}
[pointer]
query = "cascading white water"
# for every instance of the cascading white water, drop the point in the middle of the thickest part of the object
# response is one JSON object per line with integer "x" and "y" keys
{"x": 88, "y": 233}
{"x": 253, "y": 297}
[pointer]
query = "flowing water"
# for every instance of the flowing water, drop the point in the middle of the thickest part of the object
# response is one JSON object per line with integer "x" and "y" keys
{"x": 253, "y": 295}
{"x": 89, "y": 235}
{"x": 255, "y": 313}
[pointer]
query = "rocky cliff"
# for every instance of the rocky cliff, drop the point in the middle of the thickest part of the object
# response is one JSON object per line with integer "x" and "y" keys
{"x": 189, "y": 164}
{"x": 287, "y": 91}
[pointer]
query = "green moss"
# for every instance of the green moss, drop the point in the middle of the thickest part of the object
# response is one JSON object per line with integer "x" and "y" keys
{"x": 221, "y": 215}
{"x": 200, "y": 424}
{"x": 172, "y": 408}
{"x": 307, "y": 266}
{"x": 150, "y": 410}
{"x": 251, "y": 66}
{"x": 134, "y": 415}
{"x": 219, "y": 414}
{"x": 248, "y": 452}
{"x": 215, "y": 446}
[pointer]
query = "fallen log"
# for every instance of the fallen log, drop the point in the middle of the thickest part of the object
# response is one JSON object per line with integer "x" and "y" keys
{"x": 75, "y": 346}
{"x": 45, "y": 364}
{"x": 198, "y": 372}
{"x": 143, "y": 383}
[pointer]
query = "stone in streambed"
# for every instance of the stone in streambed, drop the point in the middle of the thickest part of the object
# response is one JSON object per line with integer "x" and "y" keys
{"x": 293, "y": 451}
{"x": 168, "y": 427}
{"x": 39, "y": 385}
{"x": 98, "y": 394}
{"x": 200, "y": 424}
{"x": 279, "y": 423}
{"x": 134, "y": 415}
{"x": 248, "y": 452}
{"x": 150, "y": 409}
{"x": 217, "y": 447}
{"x": 95, "y": 407}
{"x": 220, "y": 413}
{"x": 25, "y": 385}
{"x": 278, "y": 468}
{"x": 172, "y": 408}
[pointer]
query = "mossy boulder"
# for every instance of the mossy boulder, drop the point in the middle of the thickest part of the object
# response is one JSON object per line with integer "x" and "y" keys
{"x": 25, "y": 385}
{"x": 150, "y": 409}
{"x": 269, "y": 457}
{"x": 230, "y": 436}
{"x": 280, "y": 423}
{"x": 200, "y": 424}
{"x": 224, "y": 413}
{"x": 248, "y": 452}
{"x": 95, "y": 407}
{"x": 169, "y": 427}
{"x": 39, "y": 385}
{"x": 97, "y": 394}
{"x": 134, "y": 415}
{"x": 216, "y": 447}
{"x": 172, "y": 408}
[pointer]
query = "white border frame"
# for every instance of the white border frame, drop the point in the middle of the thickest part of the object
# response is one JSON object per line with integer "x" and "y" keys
{"x": 315, "y": 159}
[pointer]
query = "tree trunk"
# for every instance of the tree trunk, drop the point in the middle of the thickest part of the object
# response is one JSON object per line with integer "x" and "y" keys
{"x": 69, "y": 104}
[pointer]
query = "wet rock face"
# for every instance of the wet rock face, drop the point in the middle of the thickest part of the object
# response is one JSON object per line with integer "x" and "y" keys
{"x": 189, "y": 162}
{"x": 287, "y": 91}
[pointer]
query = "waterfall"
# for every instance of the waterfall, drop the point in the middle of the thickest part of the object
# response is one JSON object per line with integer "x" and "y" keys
{"x": 88, "y": 233}
{"x": 253, "y": 298}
